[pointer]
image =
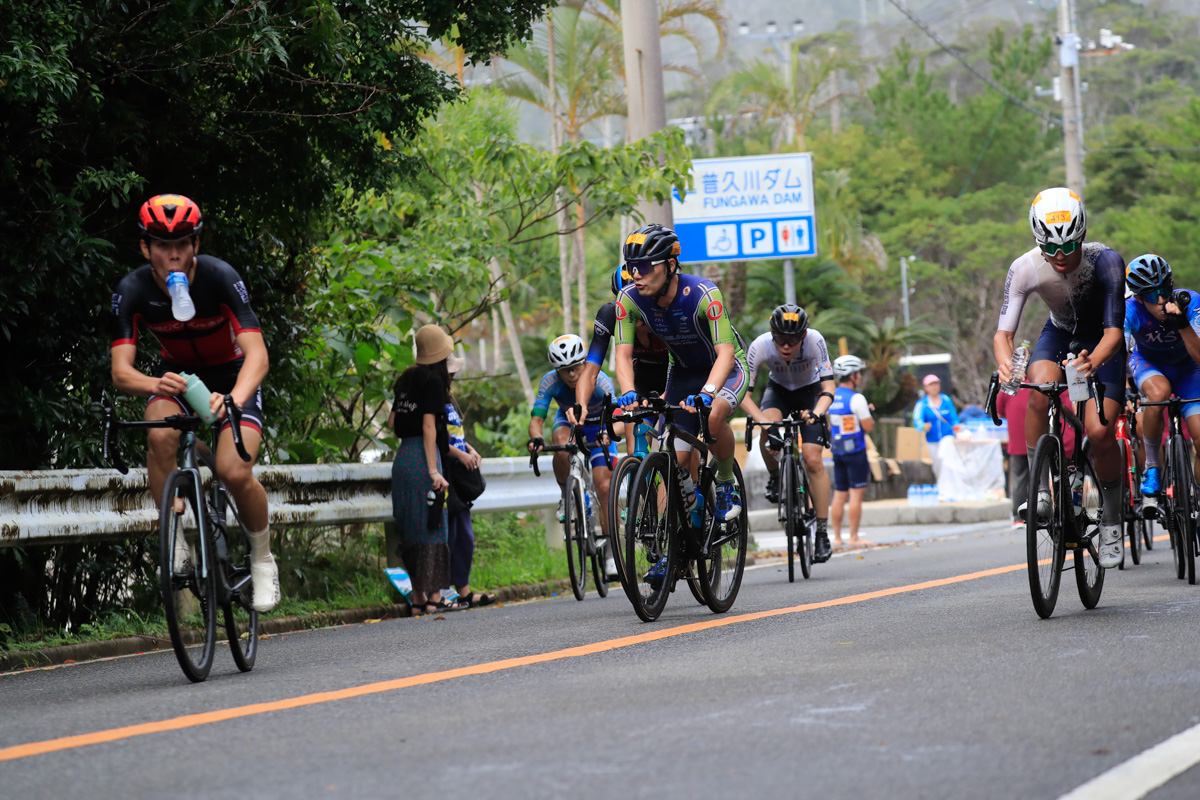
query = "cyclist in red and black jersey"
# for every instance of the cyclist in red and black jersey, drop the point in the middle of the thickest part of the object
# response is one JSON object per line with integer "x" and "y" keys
{"x": 222, "y": 344}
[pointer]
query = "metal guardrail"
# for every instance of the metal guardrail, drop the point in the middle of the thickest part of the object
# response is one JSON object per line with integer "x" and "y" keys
{"x": 73, "y": 505}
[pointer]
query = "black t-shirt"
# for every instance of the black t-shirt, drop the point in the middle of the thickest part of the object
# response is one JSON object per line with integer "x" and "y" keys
{"x": 420, "y": 391}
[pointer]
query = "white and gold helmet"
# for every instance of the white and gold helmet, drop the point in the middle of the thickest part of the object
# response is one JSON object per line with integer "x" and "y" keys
{"x": 1057, "y": 216}
{"x": 567, "y": 351}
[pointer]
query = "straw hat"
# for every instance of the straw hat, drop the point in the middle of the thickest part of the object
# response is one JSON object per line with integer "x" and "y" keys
{"x": 433, "y": 344}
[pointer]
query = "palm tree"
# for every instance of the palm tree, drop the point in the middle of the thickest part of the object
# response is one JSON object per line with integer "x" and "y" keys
{"x": 675, "y": 18}
{"x": 794, "y": 95}
{"x": 843, "y": 239}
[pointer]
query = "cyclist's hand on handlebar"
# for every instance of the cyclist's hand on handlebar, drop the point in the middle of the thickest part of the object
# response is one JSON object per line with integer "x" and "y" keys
{"x": 809, "y": 417}
{"x": 171, "y": 384}
{"x": 575, "y": 414}
{"x": 535, "y": 444}
{"x": 216, "y": 404}
{"x": 630, "y": 399}
{"x": 694, "y": 401}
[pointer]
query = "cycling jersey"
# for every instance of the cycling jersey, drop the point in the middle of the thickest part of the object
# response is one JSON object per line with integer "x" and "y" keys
{"x": 552, "y": 387}
{"x": 207, "y": 339}
{"x": 692, "y": 326}
{"x": 810, "y": 365}
{"x": 1085, "y": 301}
{"x": 650, "y": 360}
{"x": 1151, "y": 340}
{"x": 849, "y": 407}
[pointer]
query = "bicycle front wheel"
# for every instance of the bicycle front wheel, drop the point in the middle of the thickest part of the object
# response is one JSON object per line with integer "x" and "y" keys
{"x": 720, "y": 571}
{"x": 791, "y": 521}
{"x": 651, "y": 537}
{"x": 575, "y": 533}
{"x": 1044, "y": 537}
{"x": 187, "y": 576}
{"x": 1089, "y": 575}
{"x": 806, "y": 516}
{"x": 619, "y": 494}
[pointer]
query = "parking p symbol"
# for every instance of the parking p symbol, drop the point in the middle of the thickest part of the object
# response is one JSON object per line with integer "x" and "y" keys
{"x": 757, "y": 238}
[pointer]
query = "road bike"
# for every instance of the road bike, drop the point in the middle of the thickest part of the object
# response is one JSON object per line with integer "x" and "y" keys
{"x": 202, "y": 565}
{"x": 661, "y": 544}
{"x": 1069, "y": 489}
{"x": 1178, "y": 497}
{"x": 620, "y": 492}
{"x": 580, "y": 508}
{"x": 1135, "y": 525}
{"x": 795, "y": 506}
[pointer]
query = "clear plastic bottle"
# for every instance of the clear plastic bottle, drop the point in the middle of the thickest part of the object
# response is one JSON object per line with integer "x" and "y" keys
{"x": 1076, "y": 479}
{"x": 1077, "y": 388}
{"x": 1020, "y": 360}
{"x": 914, "y": 498}
{"x": 182, "y": 307}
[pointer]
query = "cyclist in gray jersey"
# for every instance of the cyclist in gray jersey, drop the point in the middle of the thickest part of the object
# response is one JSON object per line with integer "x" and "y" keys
{"x": 1084, "y": 286}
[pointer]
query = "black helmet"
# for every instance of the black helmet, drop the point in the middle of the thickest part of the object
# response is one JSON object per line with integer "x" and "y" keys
{"x": 620, "y": 278}
{"x": 651, "y": 242}
{"x": 789, "y": 319}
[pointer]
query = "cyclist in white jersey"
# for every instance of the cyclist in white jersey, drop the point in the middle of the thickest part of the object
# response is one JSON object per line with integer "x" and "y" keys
{"x": 1084, "y": 286}
{"x": 799, "y": 382}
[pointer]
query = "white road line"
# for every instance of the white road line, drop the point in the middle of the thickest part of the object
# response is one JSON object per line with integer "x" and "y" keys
{"x": 1145, "y": 772}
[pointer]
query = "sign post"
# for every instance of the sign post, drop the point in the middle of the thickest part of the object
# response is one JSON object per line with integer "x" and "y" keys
{"x": 749, "y": 208}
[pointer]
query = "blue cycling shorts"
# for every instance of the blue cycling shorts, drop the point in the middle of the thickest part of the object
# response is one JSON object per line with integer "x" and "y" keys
{"x": 851, "y": 471}
{"x": 1183, "y": 377}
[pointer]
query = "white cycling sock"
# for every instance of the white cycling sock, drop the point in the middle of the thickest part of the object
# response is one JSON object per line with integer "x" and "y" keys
{"x": 260, "y": 545}
{"x": 1151, "y": 449}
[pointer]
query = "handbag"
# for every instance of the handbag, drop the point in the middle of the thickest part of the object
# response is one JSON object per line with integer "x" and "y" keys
{"x": 466, "y": 484}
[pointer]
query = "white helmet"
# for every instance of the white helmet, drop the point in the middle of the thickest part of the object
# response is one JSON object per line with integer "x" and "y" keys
{"x": 1057, "y": 217}
{"x": 844, "y": 366}
{"x": 567, "y": 351}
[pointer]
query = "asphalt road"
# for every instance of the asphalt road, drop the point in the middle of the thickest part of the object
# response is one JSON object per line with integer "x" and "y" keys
{"x": 918, "y": 670}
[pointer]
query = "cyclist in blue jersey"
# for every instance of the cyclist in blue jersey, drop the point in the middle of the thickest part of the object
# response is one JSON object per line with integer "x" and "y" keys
{"x": 1161, "y": 328}
{"x": 1082, "y": 284}
{"x": 567, "y": 357}
{"x": 850, "y": 421}
{"x": 707, "y": 364}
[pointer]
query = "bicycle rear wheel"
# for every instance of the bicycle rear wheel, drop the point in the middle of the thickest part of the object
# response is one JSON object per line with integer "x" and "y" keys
{"x": 600, "y": 554}
{"x": 720, "y": 572}
{"x": 187, "y": 576}
{"x": 1185, "y": 504}
{"x": 241, "y": 620}
{"x": 575, "y": 533}
{"x": 619, "y": 495}
{"x": 651, "y": 543}
{"x": 1044, "y": 538}
{"x": 1089, "y": 575}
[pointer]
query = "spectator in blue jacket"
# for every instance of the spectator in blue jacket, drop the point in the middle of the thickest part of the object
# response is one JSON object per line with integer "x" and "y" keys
{"x": 935, "y": 415}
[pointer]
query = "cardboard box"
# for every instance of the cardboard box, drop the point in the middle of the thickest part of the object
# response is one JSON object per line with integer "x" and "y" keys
{"x": 911, "y": 446}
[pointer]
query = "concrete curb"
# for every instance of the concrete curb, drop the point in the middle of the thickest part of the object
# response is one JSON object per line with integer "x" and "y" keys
{"x": 131, "y": 645}
{"x": 882, "y": 513}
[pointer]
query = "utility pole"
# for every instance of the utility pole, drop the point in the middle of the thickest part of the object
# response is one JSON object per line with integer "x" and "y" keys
{"x": 647, "y": 103}
{"x": 1072, "y": 109}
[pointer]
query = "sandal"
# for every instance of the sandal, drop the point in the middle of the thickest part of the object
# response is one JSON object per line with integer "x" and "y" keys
{"x": 477, "y": 599}
{"x": 442, "y": 605}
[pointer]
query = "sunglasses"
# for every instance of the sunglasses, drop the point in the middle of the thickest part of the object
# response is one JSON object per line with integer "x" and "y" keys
{"x": 1160, "y": 295}
{"x": 639, "y": 268}
{"x": 1066, "y": 249}
{"x": 787, "y": 341}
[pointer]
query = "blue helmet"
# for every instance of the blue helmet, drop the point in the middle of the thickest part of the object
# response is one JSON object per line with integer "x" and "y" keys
{"x": 1147, "y": 272}
{"x": 621, "y": 278}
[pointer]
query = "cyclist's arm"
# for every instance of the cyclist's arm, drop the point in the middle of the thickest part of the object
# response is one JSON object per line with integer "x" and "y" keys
{"x": 130, "y": 380}
{"x": 860, "y": 409}
{"x": 1190, "y": 339}
{"x": 1113, "y": 338}
{"x": 586, "y": 386}
{"x": 254, "y": 368}
{"x": 825, "y": 400}
{"x": 536, "y": 424}
{"x": 623, "y": 360}
{"x": 751, "y": 408}
{"x": 726, "y": 355}
{"x": 1002, "y": 348}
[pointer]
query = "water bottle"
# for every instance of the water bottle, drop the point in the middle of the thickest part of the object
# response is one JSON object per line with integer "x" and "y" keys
{"x": 1077, "y": 388}
{"x": 1076, "y": 478}
{"x": 587, "y": 502}
{"x": 689, "y": 492}
{"x": 434, "y": 502}
{"x": 913, "y": 497}
{"x": 931, "y": 495}
{"x": 1020, "y": 359}
{"x": 182, "y": 306}
{"x": 197, "y": 396}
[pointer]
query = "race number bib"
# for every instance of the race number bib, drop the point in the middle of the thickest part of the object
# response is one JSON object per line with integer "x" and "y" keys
{"x": 849, "y": 424}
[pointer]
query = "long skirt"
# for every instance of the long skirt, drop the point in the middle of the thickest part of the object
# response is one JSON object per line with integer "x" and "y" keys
{"x": 424, "y": 551}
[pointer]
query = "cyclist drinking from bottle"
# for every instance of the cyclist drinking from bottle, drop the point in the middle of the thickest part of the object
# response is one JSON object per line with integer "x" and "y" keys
{"x": 1164, "y": 354}
{"x": 707, "y": 364}
{"x": 800, "y": 383}
{"x": 221, "y": 344}
{"x": 1083, "y": 285}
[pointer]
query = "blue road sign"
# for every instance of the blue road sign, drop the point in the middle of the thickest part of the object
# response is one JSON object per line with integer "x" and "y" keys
{"x": 748, "y": 208}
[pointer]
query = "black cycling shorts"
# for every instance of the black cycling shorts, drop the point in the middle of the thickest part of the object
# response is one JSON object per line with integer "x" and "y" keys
{"x": 792, "y": 402}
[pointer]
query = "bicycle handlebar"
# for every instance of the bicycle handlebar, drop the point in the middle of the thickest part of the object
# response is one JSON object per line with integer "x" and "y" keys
{"x": 570, "y": 447}
{"x": 788, "y": 422}
{"x": 179, "y": 422}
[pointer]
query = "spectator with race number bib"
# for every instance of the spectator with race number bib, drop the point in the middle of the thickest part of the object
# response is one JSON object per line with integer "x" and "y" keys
{"x": 850, "y": 421}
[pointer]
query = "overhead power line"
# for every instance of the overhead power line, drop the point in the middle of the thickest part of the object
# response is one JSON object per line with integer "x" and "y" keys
{"x": 903, "y": 7}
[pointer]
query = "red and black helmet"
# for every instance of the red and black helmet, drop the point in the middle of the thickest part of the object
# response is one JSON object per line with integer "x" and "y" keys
{"x": 169, "y": 217}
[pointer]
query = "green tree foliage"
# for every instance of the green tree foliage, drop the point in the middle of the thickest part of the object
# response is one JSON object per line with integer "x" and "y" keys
{"x": 257, "y": 110}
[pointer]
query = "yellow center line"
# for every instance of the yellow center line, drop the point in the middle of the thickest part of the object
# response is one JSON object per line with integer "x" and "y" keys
{"x": 193, "y": 720}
